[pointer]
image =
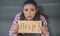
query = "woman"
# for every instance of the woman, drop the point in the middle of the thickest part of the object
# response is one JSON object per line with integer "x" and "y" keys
{"x": 30, "y": 12}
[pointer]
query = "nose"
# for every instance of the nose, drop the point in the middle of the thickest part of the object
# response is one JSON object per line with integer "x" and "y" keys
{"x": 29, "y": 12}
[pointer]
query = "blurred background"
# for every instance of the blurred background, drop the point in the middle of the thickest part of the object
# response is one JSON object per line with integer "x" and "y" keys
{"x": 9, "y": 8}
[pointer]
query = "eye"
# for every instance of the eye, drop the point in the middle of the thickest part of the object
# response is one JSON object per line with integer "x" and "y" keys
{"x": 26, "y": 9}
{"x": 32, "y": 9}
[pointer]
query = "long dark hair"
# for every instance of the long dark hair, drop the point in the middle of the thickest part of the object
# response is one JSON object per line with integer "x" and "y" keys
{"x": 37, "y": 15}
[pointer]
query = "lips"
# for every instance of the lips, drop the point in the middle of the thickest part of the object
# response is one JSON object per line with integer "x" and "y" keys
{"x": 29, "y": 16}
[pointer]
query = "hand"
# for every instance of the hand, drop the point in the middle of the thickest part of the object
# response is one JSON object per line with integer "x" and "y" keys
{"x": 44, "y": 29}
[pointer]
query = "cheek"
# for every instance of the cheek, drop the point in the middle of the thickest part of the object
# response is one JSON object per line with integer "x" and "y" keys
{"x": 33, "y": 14}
{"x": 25, "y": 14}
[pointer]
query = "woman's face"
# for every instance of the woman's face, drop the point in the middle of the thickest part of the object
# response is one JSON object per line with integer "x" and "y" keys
{"x": 29, "y": 11}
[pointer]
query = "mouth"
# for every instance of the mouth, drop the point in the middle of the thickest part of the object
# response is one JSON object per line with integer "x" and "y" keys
{"x": 29, "y": 16}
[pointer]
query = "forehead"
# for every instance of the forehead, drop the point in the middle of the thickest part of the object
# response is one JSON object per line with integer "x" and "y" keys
{"x": 29, "y": 6}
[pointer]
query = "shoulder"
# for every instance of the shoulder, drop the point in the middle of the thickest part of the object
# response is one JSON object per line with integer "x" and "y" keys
{"x": 17, "y": 17}
{"x": 42, "y": 17}
{"x": 19, "y": 13}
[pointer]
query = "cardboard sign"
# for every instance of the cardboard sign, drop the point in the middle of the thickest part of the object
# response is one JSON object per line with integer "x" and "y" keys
{"x": 29, "y": 26}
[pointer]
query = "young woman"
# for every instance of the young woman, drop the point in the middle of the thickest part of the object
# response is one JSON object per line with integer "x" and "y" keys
{"x": 29, "y": 12}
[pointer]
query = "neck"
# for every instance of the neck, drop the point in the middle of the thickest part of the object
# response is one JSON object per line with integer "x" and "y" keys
{"x": 29, "y": 20}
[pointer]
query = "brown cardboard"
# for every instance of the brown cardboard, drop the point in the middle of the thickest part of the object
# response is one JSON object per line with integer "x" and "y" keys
{"x": 29, "y": 26}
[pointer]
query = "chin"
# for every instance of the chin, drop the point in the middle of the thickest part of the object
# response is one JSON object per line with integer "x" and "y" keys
{"x": 29, "y": 19}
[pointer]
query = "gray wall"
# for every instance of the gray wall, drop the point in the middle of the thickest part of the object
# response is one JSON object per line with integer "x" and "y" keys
{"x": 9, "y": 8}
